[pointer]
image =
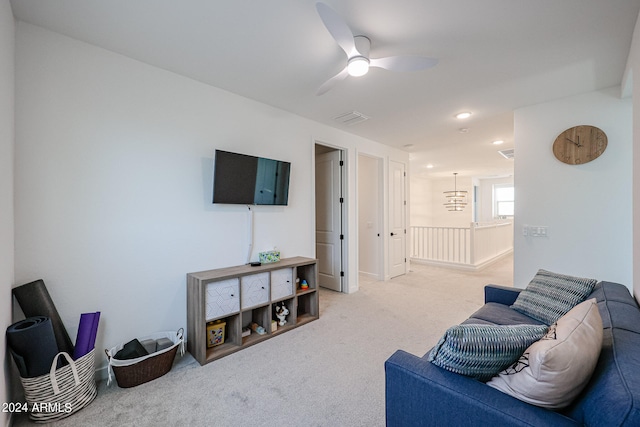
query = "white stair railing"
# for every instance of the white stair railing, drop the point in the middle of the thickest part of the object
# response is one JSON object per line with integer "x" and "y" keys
{"x": 446, "y": 244}
{"x": 470, "y": 247}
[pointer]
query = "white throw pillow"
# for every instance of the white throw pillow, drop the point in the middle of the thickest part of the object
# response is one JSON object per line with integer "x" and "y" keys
{"x": 554, "y": 370}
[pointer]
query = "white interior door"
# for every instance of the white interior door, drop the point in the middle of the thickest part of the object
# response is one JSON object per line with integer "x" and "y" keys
{"x": 397, "y": 227}
{"x": 329, "y": 220}
{"x": 370, "y": 212}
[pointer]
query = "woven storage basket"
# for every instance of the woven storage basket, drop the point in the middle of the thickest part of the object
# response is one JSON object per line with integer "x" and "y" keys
{"x": 63, "y": 391}
{"x": 133, "y": 372}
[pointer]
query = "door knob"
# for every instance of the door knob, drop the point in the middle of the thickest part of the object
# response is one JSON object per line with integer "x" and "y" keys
{"x": 392, "y": 234}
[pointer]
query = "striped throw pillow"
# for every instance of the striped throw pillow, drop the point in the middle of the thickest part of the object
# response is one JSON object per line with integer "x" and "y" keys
{"x": 482, "y": 351}
{"x": 549, "y": 296}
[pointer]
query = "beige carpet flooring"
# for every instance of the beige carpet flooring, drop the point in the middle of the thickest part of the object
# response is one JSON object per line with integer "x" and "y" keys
{"x": 329, "y": 372}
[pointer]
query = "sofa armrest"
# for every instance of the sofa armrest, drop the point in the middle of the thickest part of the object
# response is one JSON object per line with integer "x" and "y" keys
{"x": 418, "y": 393}
{"x": 500, "y": 294}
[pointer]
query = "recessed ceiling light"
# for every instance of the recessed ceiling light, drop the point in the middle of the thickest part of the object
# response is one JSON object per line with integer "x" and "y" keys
{"x": 463, "y": 115}
{"x": 429, "y": 166}
{"x": 498, "y": 142}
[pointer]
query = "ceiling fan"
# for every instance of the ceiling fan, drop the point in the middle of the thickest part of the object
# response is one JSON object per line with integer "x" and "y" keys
{"x": 357, "y": 50}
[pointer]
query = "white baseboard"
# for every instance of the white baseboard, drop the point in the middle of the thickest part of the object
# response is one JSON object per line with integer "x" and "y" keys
{"x": 102, "y": 373}
{"x": 462, "y": 266}
{"x": 372, "y": 276}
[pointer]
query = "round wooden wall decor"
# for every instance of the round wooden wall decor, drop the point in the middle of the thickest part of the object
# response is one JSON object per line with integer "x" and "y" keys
{"x": 580, "y": 144}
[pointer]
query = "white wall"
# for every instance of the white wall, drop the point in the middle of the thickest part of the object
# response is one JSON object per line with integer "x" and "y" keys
{"x": 7, "y": 44}
{"x": 421, "y": 193}
{"x": 633, "y": 67}
{"x": 113, "y": 183}
{"x": 586, "y": 207}
{"x": 427, "y": 202}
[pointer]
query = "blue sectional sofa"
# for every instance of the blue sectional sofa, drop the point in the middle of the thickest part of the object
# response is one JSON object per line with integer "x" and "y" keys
{"x": 419, "y": 393}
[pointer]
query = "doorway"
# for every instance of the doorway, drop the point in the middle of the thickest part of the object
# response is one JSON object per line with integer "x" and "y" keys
{"x": 397, "y": 219}
{"x": 370, "y": 214}
{"x": 330, "y": 217}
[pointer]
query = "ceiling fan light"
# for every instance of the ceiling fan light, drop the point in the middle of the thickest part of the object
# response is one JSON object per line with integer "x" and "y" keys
{"x": 358, "y": 66}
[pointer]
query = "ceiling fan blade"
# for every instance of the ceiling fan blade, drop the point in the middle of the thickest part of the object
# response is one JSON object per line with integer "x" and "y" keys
{"x": 404, "y": 63}
{"x": 326, "y": 86}
{"x": 338, "y": 28}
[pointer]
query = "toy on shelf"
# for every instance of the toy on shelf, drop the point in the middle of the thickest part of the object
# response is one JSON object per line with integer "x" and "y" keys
{"x": 215, "y": 333}
{"x": 258, "y": 329}
{"x": 304, "y": 285}
{"x": 281, "y": 313}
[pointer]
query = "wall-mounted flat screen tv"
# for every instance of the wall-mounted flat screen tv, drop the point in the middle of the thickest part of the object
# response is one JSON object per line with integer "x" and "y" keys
{"x": 247, "y": 180}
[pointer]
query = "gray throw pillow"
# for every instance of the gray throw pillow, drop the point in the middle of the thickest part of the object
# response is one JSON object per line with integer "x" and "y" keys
{"x": 482, "y": 351}
{"x": 550, "y": 296}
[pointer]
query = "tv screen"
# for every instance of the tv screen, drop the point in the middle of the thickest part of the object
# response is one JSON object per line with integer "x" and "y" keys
{"x": 247, "y": 180}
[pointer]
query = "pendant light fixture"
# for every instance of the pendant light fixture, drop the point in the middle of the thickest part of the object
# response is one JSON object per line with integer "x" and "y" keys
{"x": 456, "y": 199}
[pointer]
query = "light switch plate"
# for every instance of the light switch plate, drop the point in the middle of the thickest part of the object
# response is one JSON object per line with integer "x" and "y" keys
{"x": 535, "y": 230}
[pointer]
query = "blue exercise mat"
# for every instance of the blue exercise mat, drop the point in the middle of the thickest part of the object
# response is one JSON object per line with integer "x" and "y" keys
{"x": 33, "y": 345}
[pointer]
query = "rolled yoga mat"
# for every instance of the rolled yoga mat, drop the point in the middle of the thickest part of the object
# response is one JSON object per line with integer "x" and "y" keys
{"x": 34, "y": 299}
{"x": 87, "y": 330}
{"x": 33, "y": 345}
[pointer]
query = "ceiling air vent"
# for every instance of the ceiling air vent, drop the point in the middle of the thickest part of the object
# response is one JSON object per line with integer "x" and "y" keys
{"x": 507, "y": 154}
{"x": 350, "y": 118}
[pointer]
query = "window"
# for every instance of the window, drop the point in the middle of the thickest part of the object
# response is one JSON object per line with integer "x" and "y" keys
{"x": 503, "y": 200}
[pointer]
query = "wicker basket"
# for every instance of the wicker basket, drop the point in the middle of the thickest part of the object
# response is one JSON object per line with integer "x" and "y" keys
{"x": 133, "y": 372}
{"x": 63, "y": 391}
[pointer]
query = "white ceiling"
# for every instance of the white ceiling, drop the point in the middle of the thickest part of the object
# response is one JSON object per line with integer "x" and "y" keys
{"x": 494, "y": 56}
